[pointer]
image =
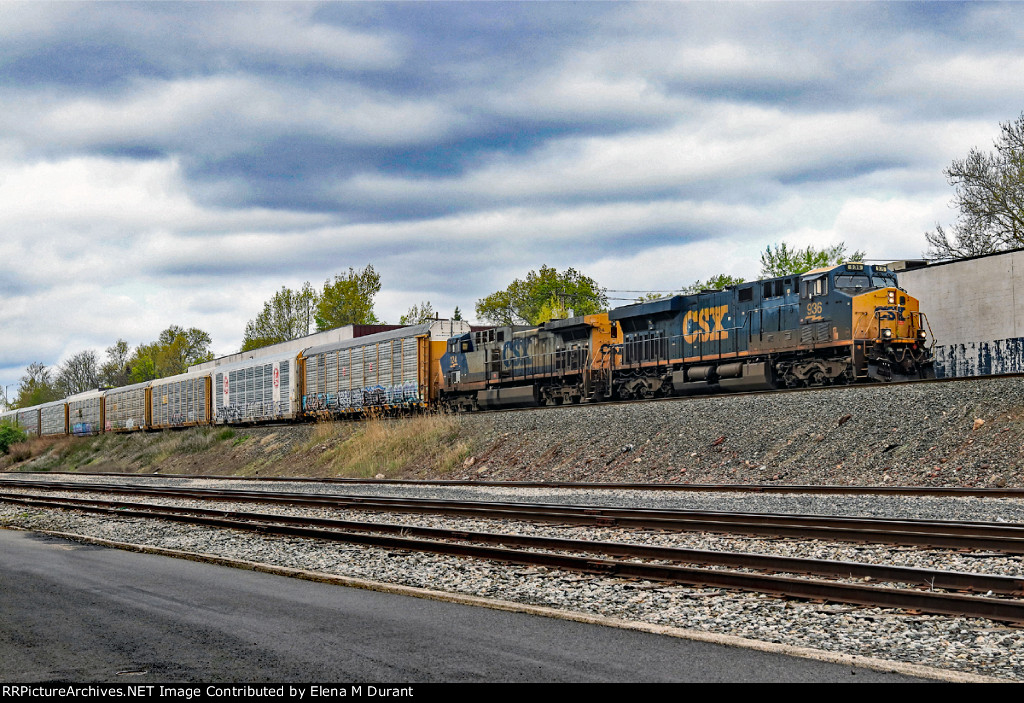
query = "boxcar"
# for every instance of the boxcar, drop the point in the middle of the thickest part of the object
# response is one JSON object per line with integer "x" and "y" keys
{"x": 180, "y": 401}
{"x": 388, "y": 370}
{"x": 53, "y": 418}
{"x": 127, "y": 409}
{"x": 85, "y": 413}
{"x": 256, "y": 390}
{"x": 28, "y": 420}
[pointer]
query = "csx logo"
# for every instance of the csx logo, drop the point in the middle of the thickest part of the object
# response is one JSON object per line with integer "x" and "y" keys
{"x": 890, "y": 313}
{"x": 705, "y": 323}
{"x": 514, "y": 352}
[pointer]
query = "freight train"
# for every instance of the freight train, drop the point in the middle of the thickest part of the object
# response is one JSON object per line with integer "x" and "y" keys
{"x": 316, "y": 377}
{"x": 843, "y": 324}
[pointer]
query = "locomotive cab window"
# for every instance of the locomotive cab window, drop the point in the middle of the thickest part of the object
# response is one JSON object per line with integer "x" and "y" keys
{"x": 746, "y": 294}
{"x": 853, "y": 282}
{"x": 817, "y": 286}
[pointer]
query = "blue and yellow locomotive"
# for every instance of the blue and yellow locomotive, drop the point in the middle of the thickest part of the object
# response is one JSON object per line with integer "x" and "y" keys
{"x": 843, "y": 324}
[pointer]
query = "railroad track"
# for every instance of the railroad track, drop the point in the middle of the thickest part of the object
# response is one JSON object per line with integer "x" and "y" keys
{"x": 660, "y": 564}
{"x": 1007, "y": 538}
{"x": 766, "y": 488}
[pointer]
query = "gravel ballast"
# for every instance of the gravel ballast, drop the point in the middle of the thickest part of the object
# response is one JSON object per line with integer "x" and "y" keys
{"x": 957, "y": 644}
{"x": 966, "y": 433}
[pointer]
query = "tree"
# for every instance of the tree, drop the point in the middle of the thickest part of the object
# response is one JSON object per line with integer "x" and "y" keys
{"x": 417, "y": 314}
{"x": 114, "y": 372}
{"x": 172, "y": 353}
{"x": 717, "y": 282}
{"x": 287, "y": 315}
{"x": 990, "y": 198}
{"x": 784, "y": 261}
{"x": 9, "y": 434}
{"x": 457, "y": 315}
{"x": 78, "y": 374}
{"x": 36, "y": 387}
{"x": 348, "y": 300}
{"x": 528, "y": 301}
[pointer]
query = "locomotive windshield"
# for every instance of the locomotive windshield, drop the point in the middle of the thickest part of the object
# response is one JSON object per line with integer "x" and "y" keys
{"x": 852, "y": 282}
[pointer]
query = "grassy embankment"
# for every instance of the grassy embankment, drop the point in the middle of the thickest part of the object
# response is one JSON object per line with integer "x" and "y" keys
{"x": 416, "y": 446}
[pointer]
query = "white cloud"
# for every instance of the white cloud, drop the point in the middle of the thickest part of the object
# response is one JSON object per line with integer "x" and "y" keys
{"x": 971, "y": 80}
{"x": 288, "y": 32}
{"x": 222, "y": 115}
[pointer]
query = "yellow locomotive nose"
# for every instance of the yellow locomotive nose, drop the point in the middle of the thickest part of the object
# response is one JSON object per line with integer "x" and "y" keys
{"x": 890, "y": 331}
{"x": 888, "y": 315}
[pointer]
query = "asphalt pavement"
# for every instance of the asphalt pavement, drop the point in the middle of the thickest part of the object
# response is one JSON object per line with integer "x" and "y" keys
{"x": 82, "y": 613}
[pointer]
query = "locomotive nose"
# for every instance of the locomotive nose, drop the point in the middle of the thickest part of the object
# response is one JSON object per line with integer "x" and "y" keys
{"x": 888, "y": 315}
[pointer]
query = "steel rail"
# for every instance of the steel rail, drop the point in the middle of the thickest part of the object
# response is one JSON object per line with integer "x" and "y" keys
{"x": 1003, "y": 537}
{"x": 941, "y": 603}
{"x": 921, "y": 491}
{"x": 1002, "y": 585}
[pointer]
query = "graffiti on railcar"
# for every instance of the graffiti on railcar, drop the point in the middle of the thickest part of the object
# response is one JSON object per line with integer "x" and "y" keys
{"x": 254, "y": 411}
{"x": 371, "y": 396}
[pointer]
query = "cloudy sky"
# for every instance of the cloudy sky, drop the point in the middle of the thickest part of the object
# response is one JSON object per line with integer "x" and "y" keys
{"x": 165, "y": 163}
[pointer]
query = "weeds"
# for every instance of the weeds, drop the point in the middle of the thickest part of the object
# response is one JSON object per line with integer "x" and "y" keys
{"x": 371, "y": 447}
{"x": 393, "y": 447}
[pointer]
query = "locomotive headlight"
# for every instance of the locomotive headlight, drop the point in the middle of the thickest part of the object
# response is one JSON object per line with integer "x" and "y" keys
{"x": 921, "y": 334}
{"x": 886, "y": 334}
{"x": 892, "y": 297}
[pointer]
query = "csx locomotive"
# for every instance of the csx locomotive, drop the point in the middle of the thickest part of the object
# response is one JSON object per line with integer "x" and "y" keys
{"x": 843, "y": 324}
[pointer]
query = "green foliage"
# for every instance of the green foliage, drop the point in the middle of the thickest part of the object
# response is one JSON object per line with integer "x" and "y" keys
{"x": 717, "y": 282}
{"x": 114, "y": 372}
{"x": 10, "y": 434}
{"x": 172, "y": 353}
{"x": 417, "y": 314}
{"x": 457, "y": 315}
{"x": 990, "y": 198}
{"x": 287, "y": 315}
{"x": 36, "y": 387}
{"x": 783, "y": 261}
{"x": 542, "y": 294}
{"x": 348, "y": 300}
{"x": 78, "y": 374}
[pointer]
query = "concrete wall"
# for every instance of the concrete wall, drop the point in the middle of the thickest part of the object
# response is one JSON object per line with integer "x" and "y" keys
{"x": 975, "y": 308}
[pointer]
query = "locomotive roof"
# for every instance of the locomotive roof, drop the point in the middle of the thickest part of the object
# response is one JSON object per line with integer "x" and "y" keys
{"x": 823, "y": 269}
{"x": 653, "y": 307}
{"x": 566, "y": 322}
